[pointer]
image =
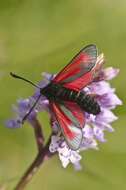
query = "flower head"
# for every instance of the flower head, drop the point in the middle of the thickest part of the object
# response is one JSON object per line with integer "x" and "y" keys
{"x": 95, "y": 126}
{"x": 93, "y": 131}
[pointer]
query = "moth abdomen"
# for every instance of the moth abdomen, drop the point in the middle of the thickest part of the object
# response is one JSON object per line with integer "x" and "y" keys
{"x": 59, "y": 93}
{"x": 88, "y": 103}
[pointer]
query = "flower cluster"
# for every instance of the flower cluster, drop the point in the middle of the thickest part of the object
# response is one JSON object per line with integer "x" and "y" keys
{"x": 95, "y": 126}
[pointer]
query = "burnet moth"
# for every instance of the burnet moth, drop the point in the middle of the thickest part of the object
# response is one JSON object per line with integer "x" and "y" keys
{"x": 67, "y": 101}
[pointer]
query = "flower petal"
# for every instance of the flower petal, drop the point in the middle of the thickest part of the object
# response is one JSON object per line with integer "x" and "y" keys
{"x": 13, "y": 123}
{"x": 100, "y": 88}
{"x": 109, "y": 100}
{"x": 105, "y": 117}
{"x": 99, "y": 134}
{"x": 110, "y": 72}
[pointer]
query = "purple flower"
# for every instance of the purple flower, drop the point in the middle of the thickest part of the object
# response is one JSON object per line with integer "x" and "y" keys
{"x": 95, "y": 126}
{"x": 21, "y": 109}
{"x": 66, "y": 155}
{"x": 93, "y": 131}
{"x": 13, "y": 123}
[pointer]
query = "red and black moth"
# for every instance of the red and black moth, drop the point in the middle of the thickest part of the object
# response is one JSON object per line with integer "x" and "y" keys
{"x": 67, "y": 101}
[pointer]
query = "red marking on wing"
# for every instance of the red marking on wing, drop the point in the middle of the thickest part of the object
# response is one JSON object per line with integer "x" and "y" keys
{"x": 81, "y": 82}
{"x": 77, "y": 112}
{"x": 73, "y": 68}
{"x": 69, "y": 123}
{"x": 88, "y": 77}
{"x": 63, "y": 121}
{"x": 78, "y": 73}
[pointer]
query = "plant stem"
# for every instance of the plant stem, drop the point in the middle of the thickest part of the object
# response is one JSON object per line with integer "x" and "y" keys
{"x": 34, "y": 166}
{"x": 39, "y": 136}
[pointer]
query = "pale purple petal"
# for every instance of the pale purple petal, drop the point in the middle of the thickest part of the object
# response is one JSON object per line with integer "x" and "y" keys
{"x": 90, "y": 143}
{"x": 67, "y": 156}
{"x": 23, "y": 104}
{"x": 48, "y": 76}
{"x": 74, "y": 157}
{"x": 90, "y": 118}
{"x": 77, "y": 166}
{"x": 43, "y": 105}
{"x": 13, "y": 123}
{"x": 64, "y": 154}
{"x": 110, "y": 72}
{"x": 109, "y": 100}
{"x": 109, "y": 128}
{"x": 105, "y": 116}
{"x": 55, "y": 143}
{"x": 100, "y": 88}
{"x": 87, "y": 131}
{"x": 64, "y": 160}
{"x": 99, "y": 134}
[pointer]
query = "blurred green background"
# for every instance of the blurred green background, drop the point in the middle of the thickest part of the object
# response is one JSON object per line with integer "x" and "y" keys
{"x": 43, "y": 35}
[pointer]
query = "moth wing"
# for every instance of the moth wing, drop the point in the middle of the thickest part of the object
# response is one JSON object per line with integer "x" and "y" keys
{"x": 70, "y": 122}
{"x": 78, "y": 73}
{"x": 88, "y": 77}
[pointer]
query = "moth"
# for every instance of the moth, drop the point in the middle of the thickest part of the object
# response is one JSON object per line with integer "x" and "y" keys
{"x": 67, "y": 100}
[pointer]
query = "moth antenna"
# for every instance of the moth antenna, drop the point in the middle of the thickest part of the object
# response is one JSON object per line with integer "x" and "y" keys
{"x": 24, "y": 79}
{"x": 29, "y": 112}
